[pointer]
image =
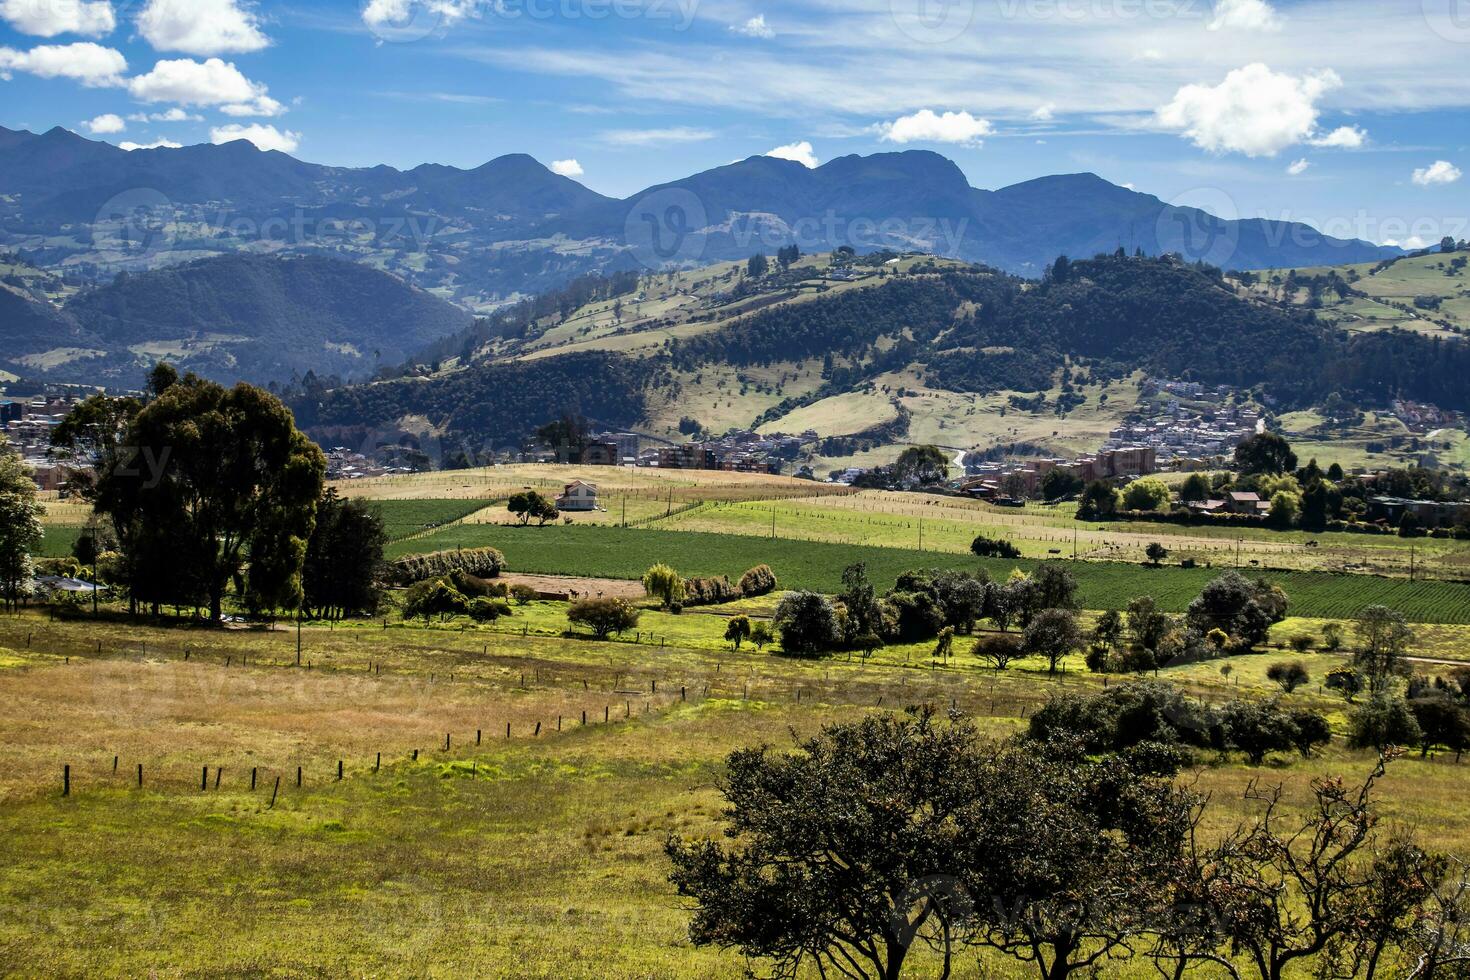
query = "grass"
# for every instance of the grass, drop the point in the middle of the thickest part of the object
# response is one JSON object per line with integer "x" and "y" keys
{"x": 610, "y": 552}
{"x": 534, "y": 857}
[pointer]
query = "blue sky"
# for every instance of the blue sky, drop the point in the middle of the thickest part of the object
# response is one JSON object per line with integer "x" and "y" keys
{"x": 1351, "y": 115}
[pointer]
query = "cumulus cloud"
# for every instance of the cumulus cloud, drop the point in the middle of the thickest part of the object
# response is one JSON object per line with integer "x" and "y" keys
{"x": 202, "y": 27}
{"x": 1044, "y": 113}
{"x": 158, "y": 144}
{"x": 567, "y": 168}
{"x": 1254, "y": 111}
{"x": 1245, "y": 15}
{"x": 801, "y": 152}
{"x": 755, "y": 27}
{"x": 262, "y": 105}
{"x": 264, "y": 137}
{"x": 189, "y": 82}
{"x": 85, "y": 62}
{"x": 925, "y": 126}
{"x": 1298, "y": 167}
{"x": 105, "y": 124}
{"x": 172, "y": 115}
{"x": 48, "y": 18}
{"x": 1438, "y": 172}
{"x": 1343, "y": 138}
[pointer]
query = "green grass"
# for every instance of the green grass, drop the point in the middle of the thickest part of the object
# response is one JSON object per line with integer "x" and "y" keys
{"x": 403, "y": 518}
{"x": 609, "y": 552}
{"x": 59, "y": 540}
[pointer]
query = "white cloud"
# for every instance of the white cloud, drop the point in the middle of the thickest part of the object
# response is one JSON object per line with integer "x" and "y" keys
{"x": 1299, "y": 167}
{"x": 105, "y": 124}
{"x": 188, "y": 82}
{"x": 756, "y": 27}
{"x": 655, "y": 137}
{"x": 262, "y": 105}
{"x": 85, "y": 62}
{"x": 264, "y": 137}
{"x": 202, "y": 27}
{"x": 390, "y": 19}
{"x": 801, "y": 152}
{"x": 1343, "y": 138}
{"x": 1254, "y": 111}
{"x": 925, "y": 126}
{"x": 1129, "y": 186}
{"x": 1413, "y": 243}
{"x": 158, "y": 144}
{"x": 48, "y": 18}
{"x": 567, "y": 168}
{"x": 1245, "y": 15}
{"x": 1438, "y": 172}
{"x": 1044, "y": 113}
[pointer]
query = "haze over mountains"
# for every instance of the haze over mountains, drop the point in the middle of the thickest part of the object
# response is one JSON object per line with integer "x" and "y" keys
{"x": 514, "y": 227}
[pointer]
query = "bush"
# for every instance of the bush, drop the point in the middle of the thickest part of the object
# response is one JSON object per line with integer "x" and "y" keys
{"x": 1258, "y": 727}
{"x": 999, "y": 650}
{"x": 808, "y": 624}
{"x": 987, "y": 547}
{"x": 603, "y": 616}
{"x": 664, "y": 584}
{"x": 472, "y": 586}
{"x": 709, "y": 591}
{"x": 1124, "y": 716}
{"x": 481, "y": 562}
{"x": 1312, "y": 730}
{"x": 60, "y": 567}
{"x": 1289, "y": 675}
{"x": 915, "y": 616}
{"x": 1345, "y": 679}
{"x": 488, "y": 610}
{"x": 523, "y": 594}
{"x": 433, "y": 597}
{"x": 1441, "y": 722}
{"x": 760, "y": 580}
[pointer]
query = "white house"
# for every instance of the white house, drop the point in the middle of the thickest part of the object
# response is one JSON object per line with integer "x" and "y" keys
{"x": 578, "y": 496}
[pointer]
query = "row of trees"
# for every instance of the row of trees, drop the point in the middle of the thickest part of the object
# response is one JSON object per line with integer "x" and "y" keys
{"x": 20, "y": 527}
{"x": 904, "y": 837}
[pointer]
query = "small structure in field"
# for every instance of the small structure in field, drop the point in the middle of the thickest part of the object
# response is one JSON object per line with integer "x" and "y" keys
{"x": 578, "y": 497}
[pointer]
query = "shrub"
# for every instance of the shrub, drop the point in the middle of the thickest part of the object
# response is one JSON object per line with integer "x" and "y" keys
{"x": 1441, "y": 722}
{"x": 709, "y": 591}
{"x": 433, "y": 597}
{"x": 999, "y": 650}
{"x": 761, "y": 635}
{"x": 603, "y": 616}
{"x": 737, "y": 630}
{"x": 1258, "y": 727}
{"x": 1289, "y": 675}
{"x": 1303, "y": 642}
{"x": 916, "y": 616}
{"x": 760, "y": 580}
{"x": 1124, "y": 716}
{"x": 1312, "y": 730}
{"x": 480, "y": 562}
{"x": 523, "y": 594}
{"x": 472, "y": 586}
{"x": 664, "y": 584}
{"x": 987, "y": 547}
{"x": 488, "y": 610}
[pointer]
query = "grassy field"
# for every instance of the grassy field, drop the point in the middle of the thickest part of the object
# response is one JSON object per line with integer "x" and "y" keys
{"x": 534, "y": 856}
{"x": 609, "y": 552}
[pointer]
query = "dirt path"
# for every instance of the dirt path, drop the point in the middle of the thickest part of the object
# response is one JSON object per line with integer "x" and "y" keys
{"x": 565, "y": 584}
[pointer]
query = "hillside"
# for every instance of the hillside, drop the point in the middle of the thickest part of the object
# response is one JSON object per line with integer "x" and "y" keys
{"x": 511, "y": 228}
{"x": 255, "y": 318}
{"x": 888, "y": 351}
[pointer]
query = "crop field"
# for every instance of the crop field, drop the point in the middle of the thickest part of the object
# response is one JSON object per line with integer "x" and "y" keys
{"x": 538, "y": 855}
{"x": 610, "y": 552}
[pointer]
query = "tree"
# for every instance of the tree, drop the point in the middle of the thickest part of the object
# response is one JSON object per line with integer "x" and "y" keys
{"x": 485, "y": 610}
{"x": 1196, "y": 488}
{"x": 1441, "y": 722}
{"x": 808, "y": 624}
{"x": 433, "y": 597}
{"x": 758, "y": 266}
{"x": 1345, "y": 679}
{"x": 20, "y": 527}
{"x": 664, "y": 584}
{"x": 761, "y": 636}
{"x": 1099, "y": 502}
{"x": 945, "y": 647}
{"x": 604, "y": 616}
{"x": 788, "y": 256}
{"x": 1059, "y": 483}
{"x": 1266, "y": 453}
{"x": 1383, "y": 636}
{"x": 999, "y": 651}
{"x": 758, "y": 581}
{"x": 1289, "y": 676}
{"x": 531, "y": 505}
{"x": 219, "y": 476}
{"x": 1285, "y": 507}
{"x": 921, "y": 465}
{"x": 1156, "y": 553}
{"x": 737, "y": 630}
{"x": 1147, "y": 625}
{"x": 1053, "y": 634}
{"x": 1107, "y": 633}
{"x": 1258, "y": 727}
{"x": 344, "y": 558}
{"x": 987, "y": 547}
{"x": 1381, "y": 722}
{"x": 860, "y": 600}
{"x": 1245, "y": 610}
{"x": 1281, "y": 892}
{"x": 1149, "y": 493}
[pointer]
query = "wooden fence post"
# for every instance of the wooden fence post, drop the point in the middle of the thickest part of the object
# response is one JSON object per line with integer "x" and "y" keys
{"x": 378, "y": 762}
{"x": 298, "y": 777}
{"x": 66, "y": 780}
{"x": 477, "y": 736}
{"x": 339, "y": 770}
{"x": 253, "y": 773}
{"x": 219, "y": 771}
{"x": 140, "y": 775}
{"x": 274, "y": 793}
{"x": 538, "y": 729}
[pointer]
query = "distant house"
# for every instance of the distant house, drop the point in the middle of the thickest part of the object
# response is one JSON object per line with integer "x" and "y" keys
{"x": 601, "y": 454}
{"x": 1245, "y": 503}
{"x": 579, "y": 496}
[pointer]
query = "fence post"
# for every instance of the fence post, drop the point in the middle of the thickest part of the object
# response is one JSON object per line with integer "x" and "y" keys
{"x": 219, "y": 771}
{"x": 66, "y": 780}
{"x": 538, "y": 728}
{"x": 477, "y": 736}
{"x": 298, "y": 777}
{"x": 378, "y": 762}
{"x": 339, "y": 770}
{"x": 140, "y": 775}
{"x": 252, "y": 778}
{"x": 274, "y": 792}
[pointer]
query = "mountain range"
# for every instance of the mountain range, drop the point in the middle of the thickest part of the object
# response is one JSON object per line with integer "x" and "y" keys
{"x": 512, "y": 227}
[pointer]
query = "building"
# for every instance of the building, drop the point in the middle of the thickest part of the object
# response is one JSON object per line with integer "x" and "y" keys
{"x": 1429, "y": 513}
{"x": 601, "y": 454}
{"x": 1246, "y": 503}
{"x": 11, "y": 411}
{"x": 578, "y": 497}
{"x": 692, "y": 456}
